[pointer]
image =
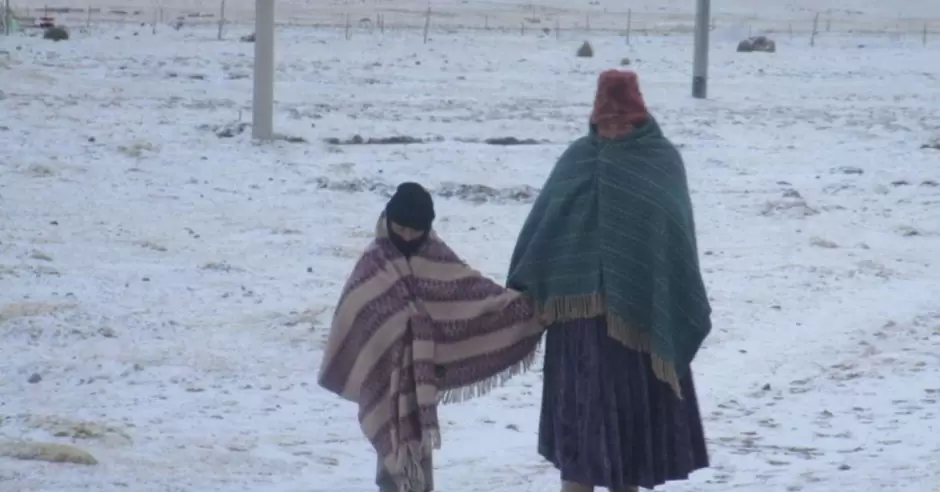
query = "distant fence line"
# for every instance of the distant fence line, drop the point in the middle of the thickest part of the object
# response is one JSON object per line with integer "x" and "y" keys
{"x": 544, "y": 21}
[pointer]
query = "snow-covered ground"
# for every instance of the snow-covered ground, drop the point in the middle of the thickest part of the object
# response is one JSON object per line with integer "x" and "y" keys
{"x": 584, "y": 15}
{"x": 167, "y": 291}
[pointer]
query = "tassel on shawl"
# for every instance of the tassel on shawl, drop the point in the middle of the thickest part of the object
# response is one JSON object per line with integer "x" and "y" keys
{"x": 561, "y": 309}
{"x": 411, "y": 464}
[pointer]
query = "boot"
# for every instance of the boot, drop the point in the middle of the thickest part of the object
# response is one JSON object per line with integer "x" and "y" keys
{"x": 575, "y": 487}
{"x": 386, "y": 483}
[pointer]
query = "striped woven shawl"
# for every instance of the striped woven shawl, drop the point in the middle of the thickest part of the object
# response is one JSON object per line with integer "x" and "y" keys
{"x": 410, "y": 333}
{"x": 613, "y": 234}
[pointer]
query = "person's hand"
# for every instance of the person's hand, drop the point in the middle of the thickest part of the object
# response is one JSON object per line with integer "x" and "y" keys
{"x": 516, "y": 287}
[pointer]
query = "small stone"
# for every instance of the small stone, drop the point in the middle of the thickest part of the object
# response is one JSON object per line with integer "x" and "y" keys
{"x": 757, "y": 43}
{"x": 586, "y": 50}
{"x": 849, "y": 170}
{"x": 39, "y": 255}
{"x": 823, "y": 243}
{"x": 35, "y": 378}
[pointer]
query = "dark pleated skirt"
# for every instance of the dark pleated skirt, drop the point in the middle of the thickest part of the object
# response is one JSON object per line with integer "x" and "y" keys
{"x": 607, "y": 421}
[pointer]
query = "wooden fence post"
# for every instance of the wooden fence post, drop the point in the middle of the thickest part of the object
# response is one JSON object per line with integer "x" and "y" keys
{"x": 629, "y": 24}
{"x": 221, "y": 19}
{"x": 812, "y": 37}
{"x": 427, "y": 24}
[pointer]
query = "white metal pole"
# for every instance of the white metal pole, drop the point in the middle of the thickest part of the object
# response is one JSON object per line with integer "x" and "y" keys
{"x": 700, "y": 67}
{"x": 262, "y": 121}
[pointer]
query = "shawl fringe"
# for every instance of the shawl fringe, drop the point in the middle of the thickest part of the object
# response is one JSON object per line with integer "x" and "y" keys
{"x": 411, "y": 462}
{"x": 569, "y": 308}
{"x": 482, "y": 388}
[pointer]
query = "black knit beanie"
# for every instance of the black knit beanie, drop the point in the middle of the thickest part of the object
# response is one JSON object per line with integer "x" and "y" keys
{"x": 411, "y": 206}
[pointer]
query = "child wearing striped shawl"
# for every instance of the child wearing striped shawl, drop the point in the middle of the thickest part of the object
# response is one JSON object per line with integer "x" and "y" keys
{"x": 416, "y": 326}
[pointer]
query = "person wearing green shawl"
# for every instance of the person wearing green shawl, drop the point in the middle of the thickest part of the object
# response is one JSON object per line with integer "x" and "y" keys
{"x": 609, "y": 254}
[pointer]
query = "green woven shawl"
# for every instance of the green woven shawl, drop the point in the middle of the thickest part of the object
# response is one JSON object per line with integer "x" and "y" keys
{"x": 612, "y": 234}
